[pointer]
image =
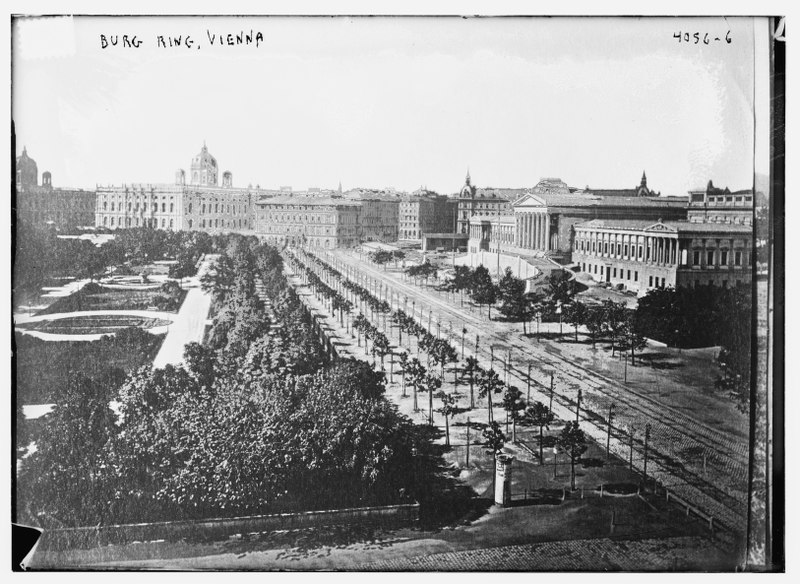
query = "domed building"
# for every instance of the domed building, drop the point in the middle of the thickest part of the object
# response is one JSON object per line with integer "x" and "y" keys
{"x": 27, "y": 171}
{"x": 42, "y": 205}
{"x": 204, "y": 168}
{"x": 196, "y": 202}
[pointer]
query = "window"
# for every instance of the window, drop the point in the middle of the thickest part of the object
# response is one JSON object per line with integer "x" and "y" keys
{"x": 163, "y": 222}
{"x": 629, "y": 275}
{"x": 625, "y": 250}
{"x": 619, "y": 249}
{"x": 696, "y": 258}
{"x": 112, "y": 205}
{"x": 710, "y": 258}
{"x": 615, "y": 272}
{"x": 737, "y": 258}
{"x": 636, "y": 276}
{"x": 112, "y": 219}
{"x": 723, "y": 258}
{"x": 605, "y": 248}
{"x": 650, "y": 282}
{"x": 172, "y": 208}
{"x": 640, "y": 251}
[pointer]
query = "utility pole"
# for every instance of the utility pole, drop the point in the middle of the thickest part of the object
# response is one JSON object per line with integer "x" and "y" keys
{"x": 608, "y": 438}
{"x": 578, "y": 409}
{"x": 631, "y": 430}
{"x": 646, "y": 441}
{"x": 529, "y": 382}
{"x": 467, "y": 442}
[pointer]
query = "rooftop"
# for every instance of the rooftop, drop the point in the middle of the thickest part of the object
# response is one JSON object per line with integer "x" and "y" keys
{"x": 586, "y": 200}
{"x": 308, "y": 201}
{"x": 673, "y": 226}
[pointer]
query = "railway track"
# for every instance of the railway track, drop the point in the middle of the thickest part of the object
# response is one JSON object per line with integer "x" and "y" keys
{"x": 698, "y": 461}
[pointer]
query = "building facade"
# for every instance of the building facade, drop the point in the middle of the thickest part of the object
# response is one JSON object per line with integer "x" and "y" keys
{"x": 44, "y": 205}
{"x": 487, "y": 202}
{"x": 640, "y": 255}
{"x": 379, "y": 214}
{"x": 199, "y": 205}
{"x": 422, "y": 213}
{"x": 327, "y": 223}
{"x": 542, "y": 221}
{"x": 715, "y": 205}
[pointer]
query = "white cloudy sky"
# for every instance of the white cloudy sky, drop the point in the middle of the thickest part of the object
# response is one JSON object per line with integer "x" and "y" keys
{"x": 399, "y": 102}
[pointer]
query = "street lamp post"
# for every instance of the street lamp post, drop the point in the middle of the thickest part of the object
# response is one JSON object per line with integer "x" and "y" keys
{"x": 555, "y": 461}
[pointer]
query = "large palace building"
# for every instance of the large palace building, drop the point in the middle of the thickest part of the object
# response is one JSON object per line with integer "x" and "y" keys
{"x": 43, "y": 205}
{"x": 333, "y": 220}
{"x": 639, "y": 255}
{"x": 631, "y": 238}
{"x": 202, "y": 204}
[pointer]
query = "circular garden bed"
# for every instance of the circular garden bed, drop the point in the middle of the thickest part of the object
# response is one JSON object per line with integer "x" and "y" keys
{"x": 88, "y": 325}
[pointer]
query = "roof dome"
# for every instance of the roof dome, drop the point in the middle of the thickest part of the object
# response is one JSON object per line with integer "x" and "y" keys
{"x": 27, "y": 170}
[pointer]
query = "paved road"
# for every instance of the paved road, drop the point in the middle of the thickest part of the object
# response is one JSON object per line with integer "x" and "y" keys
{"x": 189, "y": 325}
{"x": 672, "y": 430}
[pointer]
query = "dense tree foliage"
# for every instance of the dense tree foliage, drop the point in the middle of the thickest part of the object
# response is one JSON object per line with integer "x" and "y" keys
{"x": 258, "y": 420}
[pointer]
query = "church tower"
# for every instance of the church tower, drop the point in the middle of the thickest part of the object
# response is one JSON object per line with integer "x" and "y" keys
{"x": 204, "y": 169}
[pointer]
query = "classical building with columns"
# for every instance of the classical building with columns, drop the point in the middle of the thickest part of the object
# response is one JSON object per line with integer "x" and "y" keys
{"x": 642, "y": 255}
{"x": 542, "y": 221}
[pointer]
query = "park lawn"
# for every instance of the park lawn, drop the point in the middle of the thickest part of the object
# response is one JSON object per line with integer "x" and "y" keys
{"x": 43, "y": 368}
{"x": 96, "y": 297}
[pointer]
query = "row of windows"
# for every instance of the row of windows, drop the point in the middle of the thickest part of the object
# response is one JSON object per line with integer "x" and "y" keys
{"x": 723, "y": 256}
{"x": 135, "y": 222}
{"x": 593, "y": 269}
{"x": 318, "y": 218}
{"x": 241, "y": 208}
{"x": 135, "y": 207}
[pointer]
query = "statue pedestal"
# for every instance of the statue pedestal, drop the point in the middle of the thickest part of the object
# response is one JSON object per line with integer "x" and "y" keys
{"x": 502, "y": 484}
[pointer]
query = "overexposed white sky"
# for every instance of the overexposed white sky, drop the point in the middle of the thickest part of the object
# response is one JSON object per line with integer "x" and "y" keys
{"x": 392, "y": 101}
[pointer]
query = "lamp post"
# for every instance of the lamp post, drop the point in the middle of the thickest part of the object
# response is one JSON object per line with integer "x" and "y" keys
{"x": 555, "y": 461}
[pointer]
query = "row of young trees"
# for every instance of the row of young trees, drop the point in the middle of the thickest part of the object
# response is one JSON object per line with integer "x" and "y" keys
{"x": 421, "y": 378}
{"x": 256, "y": 420}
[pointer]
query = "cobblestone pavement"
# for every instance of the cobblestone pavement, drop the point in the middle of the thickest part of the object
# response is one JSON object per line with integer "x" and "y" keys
{"x": 681, "y": 553}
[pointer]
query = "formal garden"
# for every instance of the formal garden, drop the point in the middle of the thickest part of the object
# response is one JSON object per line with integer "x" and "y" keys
{"x": 166, "y": 297}
{"x": 44, "y": 368}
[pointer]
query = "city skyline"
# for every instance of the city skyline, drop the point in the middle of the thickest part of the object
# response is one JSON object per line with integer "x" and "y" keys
{"x": 511, "y": 99}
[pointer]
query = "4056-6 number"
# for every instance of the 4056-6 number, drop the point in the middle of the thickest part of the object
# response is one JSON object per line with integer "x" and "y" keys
{"x": 695, "y": 38}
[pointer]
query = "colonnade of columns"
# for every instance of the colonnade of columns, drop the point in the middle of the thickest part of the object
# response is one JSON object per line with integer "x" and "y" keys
{"x": 533, "y": 231}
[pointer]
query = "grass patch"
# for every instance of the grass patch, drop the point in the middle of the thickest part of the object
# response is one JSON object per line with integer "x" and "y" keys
{"x": 167, "y": 298}
{"x": 43, "y": 368}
